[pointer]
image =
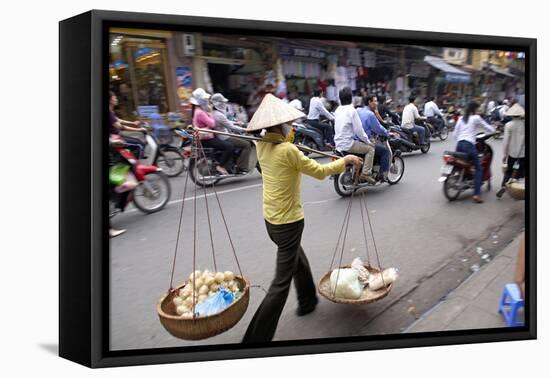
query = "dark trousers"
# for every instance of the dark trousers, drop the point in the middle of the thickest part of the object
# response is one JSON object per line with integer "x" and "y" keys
{"x": 510, "y": 169}
{"x": 471, "y": 150}
{"x": 436, "y": 122}
{"x": 224, "y": 146}
{"x": 326, "y": 130}
{"x": 381, "y": 150}
{"x": 291, "y": 264}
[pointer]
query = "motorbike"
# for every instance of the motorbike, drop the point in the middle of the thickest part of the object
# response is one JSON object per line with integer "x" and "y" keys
{"x": 202, "y": 166}
{"x": 310, "y": 136}
{"x": 161, "y": 152}
{"x": 498, "y": 121}
{"x": 344, "y": 183}
{"x": 153, "y": 189}
{"x": 442, "y": 132}
{"x": 408, "y": 140}
{"x": 457, "y": 174}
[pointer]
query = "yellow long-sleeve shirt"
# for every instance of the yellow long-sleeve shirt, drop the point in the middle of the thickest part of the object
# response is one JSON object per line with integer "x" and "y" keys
{"x": 282, "y": 167}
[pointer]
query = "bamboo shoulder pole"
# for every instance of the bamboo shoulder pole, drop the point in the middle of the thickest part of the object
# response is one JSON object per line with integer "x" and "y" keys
{"x": 248, "y": 137}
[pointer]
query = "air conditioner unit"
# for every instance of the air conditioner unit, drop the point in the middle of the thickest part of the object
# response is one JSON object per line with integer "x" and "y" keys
{"x": 188, "y": 44}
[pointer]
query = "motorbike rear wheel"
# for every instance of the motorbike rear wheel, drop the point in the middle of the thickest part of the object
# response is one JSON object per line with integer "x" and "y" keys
{"x": 171, "y": 161}
{"x": 152, "y": 194}
{"x": 451, "y": 187}
{"x": 426, "y": 148}
{"x": 444, "y": 133}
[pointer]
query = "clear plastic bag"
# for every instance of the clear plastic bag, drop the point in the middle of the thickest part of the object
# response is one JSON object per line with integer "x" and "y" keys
{"x": 215, "y": 304}
{"x": 344, "y": 283}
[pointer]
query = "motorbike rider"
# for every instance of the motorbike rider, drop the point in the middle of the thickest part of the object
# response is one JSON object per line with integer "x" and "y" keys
{"x": 117, "y": 125}
{"x": 431, "y": 110}
{"x": 316, "y": 109}
{"x": 410, "y": 115}
{"x": 224, "y": 124}
{"x": 465, "y": 134}
{"x": 203, "y": 118}
{"x": 372, "y": 128}
{"x": 383, "y": 112}
{"x": 350, "y": 136}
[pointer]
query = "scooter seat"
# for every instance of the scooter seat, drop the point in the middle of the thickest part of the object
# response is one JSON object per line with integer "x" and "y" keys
{"x": 459, "y": 155}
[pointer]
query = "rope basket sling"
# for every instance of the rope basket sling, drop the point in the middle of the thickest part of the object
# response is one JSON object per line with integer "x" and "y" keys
{"x": 367, "y": 295}
{"x": 201, "y": 327}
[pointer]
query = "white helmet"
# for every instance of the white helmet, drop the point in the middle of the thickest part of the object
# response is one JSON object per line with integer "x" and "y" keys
{"x": 199, "y": 97}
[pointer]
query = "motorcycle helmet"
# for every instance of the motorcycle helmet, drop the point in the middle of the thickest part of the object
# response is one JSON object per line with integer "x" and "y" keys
{"x": 200, "y": 97}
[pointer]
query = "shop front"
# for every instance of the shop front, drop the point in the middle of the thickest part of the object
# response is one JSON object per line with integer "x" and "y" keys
{"x": 140, "y": 72}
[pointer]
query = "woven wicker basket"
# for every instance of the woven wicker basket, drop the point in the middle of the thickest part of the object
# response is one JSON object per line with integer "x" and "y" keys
{"x": 367, "y": 296}
{"x": 205, "y": 326}
{"x": 516, "y": 190}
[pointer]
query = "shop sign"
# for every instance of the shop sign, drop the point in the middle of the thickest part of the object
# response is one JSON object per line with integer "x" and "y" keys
{"x": 184, "y": 86}
{"x": 456, "y": 78}
{"x": 145, "y": 111}
{"x": 302, "y": 53}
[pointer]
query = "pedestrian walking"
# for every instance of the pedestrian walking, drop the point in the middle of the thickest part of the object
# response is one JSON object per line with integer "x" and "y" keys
{"x": 513, "y": 146}
{"x": 282, "y": 168}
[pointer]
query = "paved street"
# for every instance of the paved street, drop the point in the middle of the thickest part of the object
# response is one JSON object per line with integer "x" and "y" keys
{"x": 417, "y": 231}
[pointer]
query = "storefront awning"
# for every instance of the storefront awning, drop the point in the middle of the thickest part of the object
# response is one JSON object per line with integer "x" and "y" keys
{"x": 500, "y": 71}
{"x": 452, "y": 74}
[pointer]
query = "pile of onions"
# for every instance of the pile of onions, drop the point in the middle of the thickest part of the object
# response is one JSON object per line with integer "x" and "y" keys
{"x": 202, "y": 285}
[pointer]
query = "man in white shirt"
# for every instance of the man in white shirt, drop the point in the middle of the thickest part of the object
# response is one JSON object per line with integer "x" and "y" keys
{"x": 410, "y": 115}
{"x": 432, "y": 113}
{"x": 316, "y": 109}
{"x": 295, "y": 102}
{"x": 350, "y": 136}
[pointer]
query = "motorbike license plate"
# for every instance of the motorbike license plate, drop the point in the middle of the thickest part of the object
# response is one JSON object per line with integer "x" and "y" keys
{"x": 446, "y": 169}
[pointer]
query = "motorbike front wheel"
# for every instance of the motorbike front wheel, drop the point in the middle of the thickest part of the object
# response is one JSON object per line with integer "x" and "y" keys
{"x": 153, "y": 193}
{"x": 451, "y": 186}
{"x": 397, "y": 168}
{"x": 343, "y": 183}
{"x": 203, "y": 173}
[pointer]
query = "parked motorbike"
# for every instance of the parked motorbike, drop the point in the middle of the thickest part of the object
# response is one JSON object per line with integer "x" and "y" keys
{"x": 344, "y": 183}
{"x": 153, "y": 189}
{"x": 457, "y": 174}
{"x": 202, "y": 166}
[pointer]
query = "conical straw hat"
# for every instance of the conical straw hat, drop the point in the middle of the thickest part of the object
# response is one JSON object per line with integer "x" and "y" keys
{"x": 272, "y": 112}
{"x": 515, "y": 111}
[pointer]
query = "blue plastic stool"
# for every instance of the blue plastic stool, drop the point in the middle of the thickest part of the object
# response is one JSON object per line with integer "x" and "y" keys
{"x": 510, "y": 303}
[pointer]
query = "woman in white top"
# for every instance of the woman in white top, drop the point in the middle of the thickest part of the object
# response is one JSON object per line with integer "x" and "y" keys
{"x": 465, "y": 134}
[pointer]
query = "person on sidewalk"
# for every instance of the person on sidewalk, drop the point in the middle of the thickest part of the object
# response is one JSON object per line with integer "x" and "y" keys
{"x": 465, "y": 133}
{"x": 410, "y": 115}
{"x": 282, "y": 168}
{"x": 224, "y": 124}
{"x": 513, "y": 146}
{"x": 317, "y": 109}
{"x": 350, "y": 136}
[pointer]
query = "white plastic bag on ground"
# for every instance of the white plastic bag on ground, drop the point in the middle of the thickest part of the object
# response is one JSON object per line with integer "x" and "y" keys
{"x": 362, "y": 272}
{"x": 376, "y": 282}
{"x": 348, "y": 285}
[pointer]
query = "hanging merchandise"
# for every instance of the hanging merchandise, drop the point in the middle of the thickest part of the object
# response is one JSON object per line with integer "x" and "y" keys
{"x": 358, "y": 283}
{"x": 207, "y": 303}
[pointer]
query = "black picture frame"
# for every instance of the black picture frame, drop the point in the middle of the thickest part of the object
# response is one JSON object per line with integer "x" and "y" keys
{"x": 83, "y": 237}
